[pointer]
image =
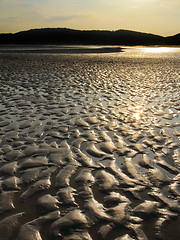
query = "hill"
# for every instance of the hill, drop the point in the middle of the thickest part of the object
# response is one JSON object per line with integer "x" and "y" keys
{"x": 94, "y": 37}
{"x": 173, "y": 40}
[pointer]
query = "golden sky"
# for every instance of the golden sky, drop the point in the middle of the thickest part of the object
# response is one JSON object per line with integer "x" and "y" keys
{"x": 160, "y": 17}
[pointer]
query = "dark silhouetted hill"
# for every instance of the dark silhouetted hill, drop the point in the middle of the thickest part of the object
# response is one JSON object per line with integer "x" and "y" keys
{"x": 173, "y": 40}
{"x": 94, "y": 37}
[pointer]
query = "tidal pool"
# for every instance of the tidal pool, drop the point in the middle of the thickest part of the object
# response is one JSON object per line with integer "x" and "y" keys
{"x": 89, "y": 144}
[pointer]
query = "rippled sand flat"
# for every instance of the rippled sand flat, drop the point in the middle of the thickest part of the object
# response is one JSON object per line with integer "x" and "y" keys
{"x": 89, "y": 146}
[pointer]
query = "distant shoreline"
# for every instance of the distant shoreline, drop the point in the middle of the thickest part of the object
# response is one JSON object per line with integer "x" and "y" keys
{"x": 71, "y": 49}
{"x": 60, "y": 50}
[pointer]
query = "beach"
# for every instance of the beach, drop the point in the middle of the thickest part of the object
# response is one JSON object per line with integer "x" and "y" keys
{"x": 89, "y": 143}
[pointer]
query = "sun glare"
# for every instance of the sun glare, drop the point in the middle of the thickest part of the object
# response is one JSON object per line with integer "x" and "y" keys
{"x": 158, "y": 50}
{"x": 138, "y": 112}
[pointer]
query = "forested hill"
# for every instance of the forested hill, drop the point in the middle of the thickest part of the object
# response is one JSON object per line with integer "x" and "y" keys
{"x": 70, "y": 36}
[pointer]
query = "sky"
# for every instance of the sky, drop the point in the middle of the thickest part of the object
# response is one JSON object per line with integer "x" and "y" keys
{"x": 160, "y": 17}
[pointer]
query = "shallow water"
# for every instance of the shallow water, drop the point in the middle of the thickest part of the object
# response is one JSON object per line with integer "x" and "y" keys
{"x": 98, "y": 136}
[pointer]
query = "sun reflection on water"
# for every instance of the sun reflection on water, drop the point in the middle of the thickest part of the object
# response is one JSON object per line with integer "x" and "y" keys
{"x": 158, "y": 49}
{"x": 138, "y": 111}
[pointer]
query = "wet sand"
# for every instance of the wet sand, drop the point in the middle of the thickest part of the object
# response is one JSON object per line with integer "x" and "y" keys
{"x": 89, "y": 147}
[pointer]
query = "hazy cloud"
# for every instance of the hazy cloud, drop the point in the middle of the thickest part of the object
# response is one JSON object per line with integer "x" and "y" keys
{"x": 62, "y": 18}
{"x": 8, "y": 19}
{"x": 171, "y": 4}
